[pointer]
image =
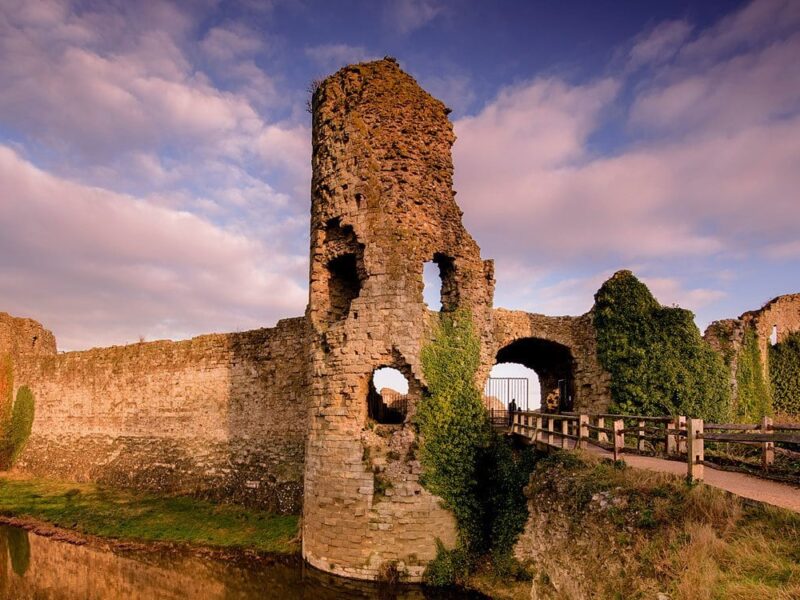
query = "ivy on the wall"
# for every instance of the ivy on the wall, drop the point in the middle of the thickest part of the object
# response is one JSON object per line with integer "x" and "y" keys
{"x": 452, "y": 421}
{"x": 784, "y": 372}
{"x": 21, "y": 421}
{"x": 474, "y": 470}
{"x": 753, "y": 394}
{"x": 16, "y": 418}
{"x": 658, "y": 361}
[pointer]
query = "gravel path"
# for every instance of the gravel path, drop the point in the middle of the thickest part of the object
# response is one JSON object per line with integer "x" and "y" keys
{"x": 741, "y": 484}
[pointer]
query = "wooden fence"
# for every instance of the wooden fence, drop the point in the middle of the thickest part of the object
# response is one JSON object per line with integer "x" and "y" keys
{"x": 672, "y": 437}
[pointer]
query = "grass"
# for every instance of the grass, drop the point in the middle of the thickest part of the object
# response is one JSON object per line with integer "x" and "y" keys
{"x": 631, "y": 533}
{"x": 126, "y": 515}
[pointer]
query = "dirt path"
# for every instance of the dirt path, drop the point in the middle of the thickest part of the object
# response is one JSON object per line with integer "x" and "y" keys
{"x": 763, "y": 490}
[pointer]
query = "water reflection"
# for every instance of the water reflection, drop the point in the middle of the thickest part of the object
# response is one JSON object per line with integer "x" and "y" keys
{"x": 35, "y": 567}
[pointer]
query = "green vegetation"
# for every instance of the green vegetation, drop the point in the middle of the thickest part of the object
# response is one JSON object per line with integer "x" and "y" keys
{"x": 95, "y": 510}
{"x": 658, "y": 361}
{"x": 475, "y": 471}
{"x": 784, "y": 371}
{"x": 632, "y": 533}
{"x": 453, "y": 424}
{"x": 753, "y": 400}
{"x": 21, "y": 421}
{"x": 16, "y": 418}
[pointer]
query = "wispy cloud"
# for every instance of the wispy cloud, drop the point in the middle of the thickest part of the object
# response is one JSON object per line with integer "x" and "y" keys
{"x": 333, "y": 56}
{"x": 107, "y": 267}
{"x": 715, "y": 123}
{"x": 406, "y": 16}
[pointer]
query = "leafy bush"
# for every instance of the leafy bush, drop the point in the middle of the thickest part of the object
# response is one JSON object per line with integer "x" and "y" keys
{"x": 658, "y": 361}
{"x": 16, "y": 418}
{"x": 453, "y": 423}
{"x": 753, "y": 394}
{"x": 474, "y": 470}
{"x": 448, "y": 568}
{"x": 784, "y": 372}
{"x": 21, "y": 420}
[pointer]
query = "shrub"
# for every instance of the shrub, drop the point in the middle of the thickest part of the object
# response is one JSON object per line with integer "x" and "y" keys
{"x": 21, "y": 420}
{"x": 475, "y": 471}
{"x": 784, "y": 372}
{"x": 452, "y": 422}
{"x": 658, "y": 361}
{"x": 753, "y": 397}
{"x": 448, "y": 568}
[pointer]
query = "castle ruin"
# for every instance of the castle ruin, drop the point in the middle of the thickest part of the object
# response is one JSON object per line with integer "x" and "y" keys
{"x": 282, "y": 417}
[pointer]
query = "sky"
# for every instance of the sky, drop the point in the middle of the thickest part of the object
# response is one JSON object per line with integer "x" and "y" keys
{"x": 155, "y": 156}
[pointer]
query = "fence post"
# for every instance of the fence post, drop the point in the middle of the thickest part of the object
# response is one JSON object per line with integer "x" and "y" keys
{"x": 641, "y": 440}
{"x": 601, "y": 435}
{"x": 696, "y": 450}
{"x": 619, "y": 438}
{"x": 583, "y": 431}
{"x": 564, "y": 432}
{"x": 537, "y": 433}
{"x": 670, "y": 439}
{"x": 681, "y": 438}
{"x": 551, "y": 427}
{"x": 767, "y": 448}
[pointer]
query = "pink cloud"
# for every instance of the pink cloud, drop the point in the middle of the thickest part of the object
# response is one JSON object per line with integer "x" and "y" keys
{"x": 140, "y": 260}
{"x": 714, "y": 171}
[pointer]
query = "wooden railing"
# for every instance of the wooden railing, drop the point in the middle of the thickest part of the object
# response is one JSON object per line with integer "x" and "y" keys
{"x": 673, "y": 437}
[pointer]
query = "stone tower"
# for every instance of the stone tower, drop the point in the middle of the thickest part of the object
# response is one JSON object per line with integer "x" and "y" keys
{"x": 382, "y": 205}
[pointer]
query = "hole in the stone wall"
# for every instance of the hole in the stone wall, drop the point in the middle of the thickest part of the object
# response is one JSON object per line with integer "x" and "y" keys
{"x": 773, "y": 337}
{"x": 432, "y": 292}
{"x": 345, "y": 267}
{"x": 388, "y": 396}
{"x": 440, "y": 291}
{"x": 343, "y": 284}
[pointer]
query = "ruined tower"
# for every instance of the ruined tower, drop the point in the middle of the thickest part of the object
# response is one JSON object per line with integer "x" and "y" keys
{"x": 382, "y": 206}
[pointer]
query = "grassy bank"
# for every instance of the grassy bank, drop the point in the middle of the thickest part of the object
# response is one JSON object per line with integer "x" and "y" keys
{"x": 93, "y": 510}
{"x": 602, "y": 530}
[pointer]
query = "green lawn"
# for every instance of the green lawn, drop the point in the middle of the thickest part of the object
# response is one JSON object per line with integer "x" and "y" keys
{"x": 127, "y": 515}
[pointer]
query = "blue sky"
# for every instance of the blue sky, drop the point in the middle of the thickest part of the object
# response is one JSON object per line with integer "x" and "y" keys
{"x": 155, "y": 159}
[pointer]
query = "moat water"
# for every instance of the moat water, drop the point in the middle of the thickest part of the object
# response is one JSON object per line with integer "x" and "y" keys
{"x": 36, "y": 567}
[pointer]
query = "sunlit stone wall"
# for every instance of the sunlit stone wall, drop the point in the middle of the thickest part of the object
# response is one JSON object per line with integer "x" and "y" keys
{"x": 221, "y": 416}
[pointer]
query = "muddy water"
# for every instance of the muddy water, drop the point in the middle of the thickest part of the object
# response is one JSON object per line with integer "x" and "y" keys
{"x": 35, "y": 567}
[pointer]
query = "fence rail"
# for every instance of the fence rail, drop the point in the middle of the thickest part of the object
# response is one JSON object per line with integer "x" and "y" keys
{"x": 674, "y": 437}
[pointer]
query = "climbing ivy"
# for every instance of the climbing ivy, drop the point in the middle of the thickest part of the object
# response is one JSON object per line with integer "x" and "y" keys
{"x": 16, "y": 418}
{"x": 753, "y": 393}
{"x": 453, "y": 425}
{"x": 658, "y": 361}
{"x": 474, "y": 470}
{"x": 784, "y": 371}
{"x": 21, "y": 420}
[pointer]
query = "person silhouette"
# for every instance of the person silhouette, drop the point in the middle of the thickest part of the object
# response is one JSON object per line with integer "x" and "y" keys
{"x": 512, "y": 408}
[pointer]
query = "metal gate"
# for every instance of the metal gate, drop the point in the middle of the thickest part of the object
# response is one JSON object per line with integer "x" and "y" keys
{"x": 498, "y": 394}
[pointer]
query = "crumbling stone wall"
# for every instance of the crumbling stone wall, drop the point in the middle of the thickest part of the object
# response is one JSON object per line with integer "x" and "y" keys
{"x": 556, "y": 348}
{"x": 220, "y": 416}
{"x": 24, "y": 338}
{"x": 727, "y": 335}
{"x": 382, "y": 206}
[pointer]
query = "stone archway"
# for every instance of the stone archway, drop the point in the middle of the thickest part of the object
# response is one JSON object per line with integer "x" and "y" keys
{"x": 553, "y": 363}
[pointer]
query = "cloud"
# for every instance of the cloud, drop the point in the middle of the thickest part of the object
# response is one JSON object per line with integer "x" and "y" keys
{"x": 334, "y": 56}
{"x": 101, "y": 267}
{"x": 407, "y": 16}
{"x": 707, "y": 166}
{"x": 659, "y": 44}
